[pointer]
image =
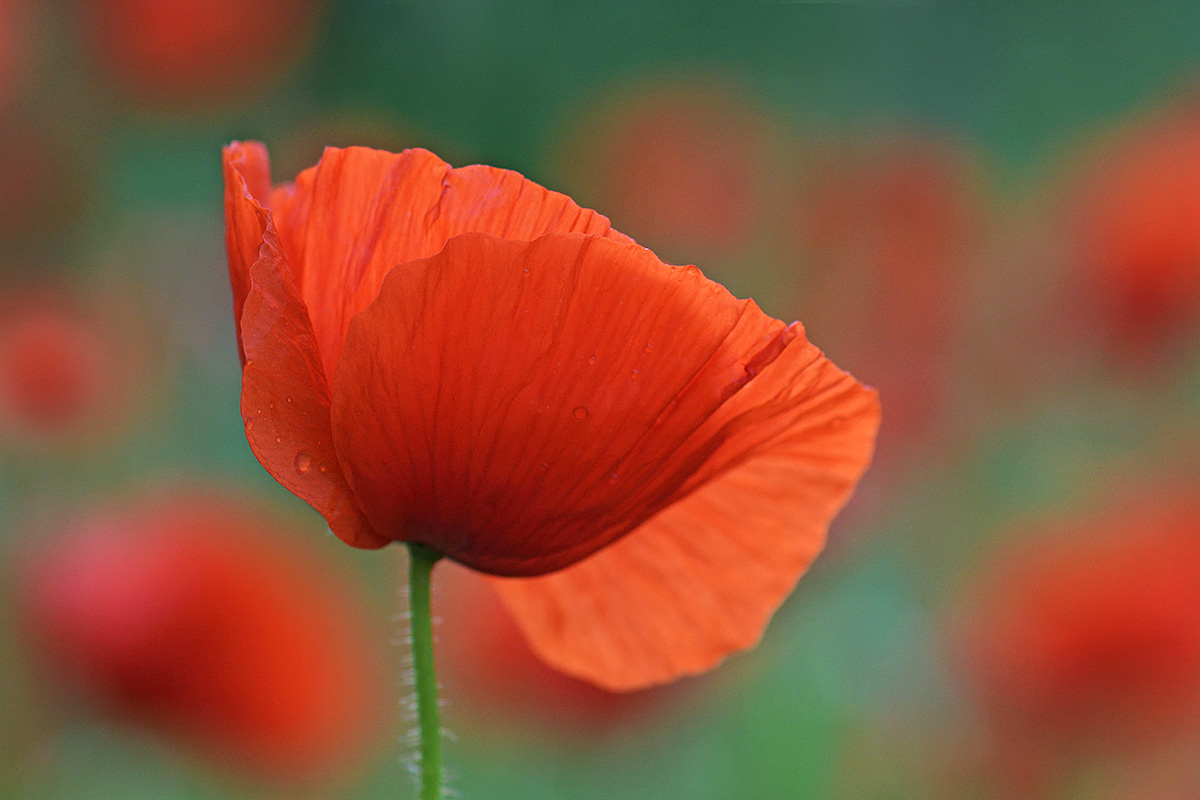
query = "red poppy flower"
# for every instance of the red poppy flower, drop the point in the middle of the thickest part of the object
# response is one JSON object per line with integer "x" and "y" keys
{"x": 191, "y": 615}
{"x": 1090, "y": 635}
{"x": 1132, "y": 222}
{"x": 884, "y": 231}
{"x": 678, "y": 164}
{"x": 463, "y": 359}
{"x": 69, "y": 370}
{"x": 185, "y": 52}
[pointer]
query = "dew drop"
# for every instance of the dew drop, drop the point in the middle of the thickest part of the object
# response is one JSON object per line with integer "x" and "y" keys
{"x": 635, "y": 374}
{"x": 525, "y": 271}
{"x": 258, "y": 410}
{"x": 545, "y": 465}
{"x": 288, "y": 398}
{"x": 649, "y": 347}
{"x": 271, "y": 405}
{"x": 303, "y": 461}
{"x": 612, "y": 477}
{"x": 321, "y": 467}
{"x": 592, "y": 359}
{"x": 278, "y": 439}
{"x": 580, "y": 412}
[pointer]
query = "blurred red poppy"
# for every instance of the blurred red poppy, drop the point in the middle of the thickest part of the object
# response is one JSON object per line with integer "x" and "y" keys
{"x": 679, "y": 164}
{"x": 185, "y": 53}
{"x": 70, "y": 370}
{"x": 190, "y": 614}
{"x": 1133, "y": 233}
{"x": 885, "y": 231}
{"x": 1089, "y": 635}
{"x": 464, "y": 359}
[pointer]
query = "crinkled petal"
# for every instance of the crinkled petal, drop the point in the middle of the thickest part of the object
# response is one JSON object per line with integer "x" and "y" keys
{"x": 519, "y": 405}
{"x": 360, "y": 212}
{"x": 247, "y": 187}
{"x": 285, "y": 394}
{"x": 702, "y": 578}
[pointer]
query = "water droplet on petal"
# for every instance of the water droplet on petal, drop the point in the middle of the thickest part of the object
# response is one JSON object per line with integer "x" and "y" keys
{"x": 612, "y": 477}
{"x": 525, "y": 271}
{"x": 258, "y": 410}
{"x": 321, "y": 467}
{"x": 288, "y": 398}
{"x": 545, "y": 465}
{"x": 635, "y": 374}
{"x": 592, "y": 360}
{"x": 649, "y": 347}
{"x": 580, "y": 412}
{"x": 278, "y": 439}
{"x": 303, "y": 461}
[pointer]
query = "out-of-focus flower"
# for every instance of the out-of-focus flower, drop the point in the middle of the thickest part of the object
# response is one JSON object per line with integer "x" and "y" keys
{"x": 70, "y": 369}
{"x": 192, "y": 53}
{"x": 1133, "y": 236}
{"x": 464, "y": 359}
{"x": 1088, "y": 636}
{"x": 885, "y": 231}
{"x": 489, "y": 670}
{"x": 678, "y": 164}
{"x": 190, "y": 614}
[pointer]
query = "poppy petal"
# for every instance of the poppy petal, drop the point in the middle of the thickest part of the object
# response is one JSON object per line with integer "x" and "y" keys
{"x": 247, "y": 189}
{"x": 285, "y": 396}
{"x": 518, "y": 405}
{"x": 702, "y": 579}
{"x": 357, "y": 214}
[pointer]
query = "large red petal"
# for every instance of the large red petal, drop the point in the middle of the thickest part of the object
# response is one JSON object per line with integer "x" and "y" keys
{"x": 702, "y": 579}
{"x": 285, "y": 394}
{"x": 348, "y": 221}
{"x": 518, "y": 405}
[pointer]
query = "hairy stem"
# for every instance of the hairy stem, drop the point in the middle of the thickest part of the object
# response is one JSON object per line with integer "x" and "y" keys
{"x": 420, "y": 566}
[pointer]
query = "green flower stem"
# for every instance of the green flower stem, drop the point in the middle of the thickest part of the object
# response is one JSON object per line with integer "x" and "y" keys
{"x": 420, "y": 566}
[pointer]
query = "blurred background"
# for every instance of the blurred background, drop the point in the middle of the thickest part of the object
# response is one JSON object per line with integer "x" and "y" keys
{"x": 991, "y": 214}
